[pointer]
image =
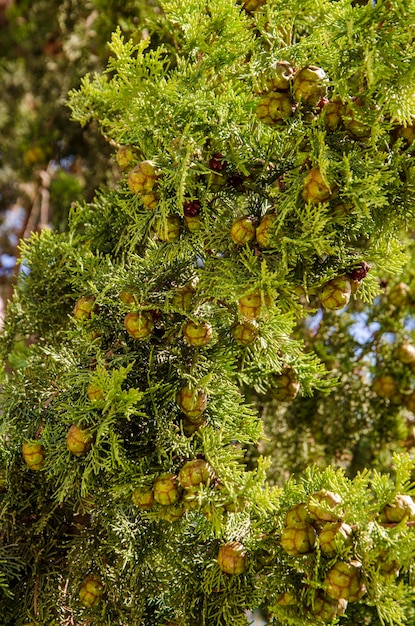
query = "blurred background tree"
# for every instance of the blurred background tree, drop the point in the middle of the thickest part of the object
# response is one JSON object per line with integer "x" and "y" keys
{"x": 46, "y": 162}
{"x": 370, "y": 413}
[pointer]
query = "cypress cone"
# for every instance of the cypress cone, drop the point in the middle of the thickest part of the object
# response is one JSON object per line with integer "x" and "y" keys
{"x": 150, "y": 200}
{"x": 166, "y": 489}
{"x": 344, "y": 580}
{"x": 236, "y": 505}
{"x": 274, "y": 108}
{"x": 192, "y": 402}
{"x": 194, "y": 473}
{"x": 217, "y": 162}
{"x": 78, "y": 440}
{"x": 243, "y": 230}
{"x": 315, "y": 188}
{"x": 191, "y": 499}
{"x": 34, "y": 454}
{"x": 409, "y": 401}
{"x": 299, "y": 539}
{"x": 324, "y": 505}
{"x": 333, "y": 534}
{"x": 332, "y": 113}
{"x": 84, "y": 307}
{"x": 127, "y": 297}
{"x": 233, "y": 558}
{"x": 326, "y": 608}
{"x": 388, "y": 567}
{"x": 245, "y": 333}
{"x": 402, "y": 507}
{"x": 143, "y": 498}
{"x": 282, "y": 75}
{"x": 407, "y": 133}
{"x": 254, "y": 305}
{"x": 139, "y": 325}
{"x": 265, "y": 231}
{"x": 353, "y": 124}
{"x": 182, "y": 298}
{"x": 192, "y": 425}
{"x": 253, "y": 5}
{"x": 172, "y": 513}
{"x": 197, "y": 334}
{"x": 287, "y": 598}
{"x": 94, "y": 393}
{"x": 335, "y": 294}
{"x": 310, "y": 85}
{"x": 285, "y": 386}
{"x": 297, "y": 514}
{"x": 400, "y": 295}
{"x": 405, "y": 353}
{"x": 142, "y": 178}
{"x": 91, "y": 591}
{"x": 193, "y": 223}
{"x": 385, "y": 386}
{"x": 168, "y": 229}
{"x": 191, "y": 208}
{"x": 125, "y": 157}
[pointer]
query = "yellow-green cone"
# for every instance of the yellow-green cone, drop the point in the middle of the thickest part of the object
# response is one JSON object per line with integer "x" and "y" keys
{"x": 78, "y": 440}
{"x": 142, "y": 178}
{"x": 335, "y": 294}
{"x": 91, "y": 591}
{"x": 197, "y": 334}
{"x": 299, "y": 539}
{"x": 166, "y": 489}
{"x": 139, "y": 325}
{"x": 233, "y": 558}
{"x": 34, "y": 454}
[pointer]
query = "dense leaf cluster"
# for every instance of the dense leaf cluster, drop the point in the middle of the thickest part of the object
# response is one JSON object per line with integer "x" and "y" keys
{"x": 266, "y": 176}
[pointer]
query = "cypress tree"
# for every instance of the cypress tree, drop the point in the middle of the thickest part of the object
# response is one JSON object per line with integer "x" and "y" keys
{"x": 168, "y": 356}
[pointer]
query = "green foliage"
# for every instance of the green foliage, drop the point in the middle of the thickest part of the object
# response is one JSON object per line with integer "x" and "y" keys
{"x": 112, "y": 319}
